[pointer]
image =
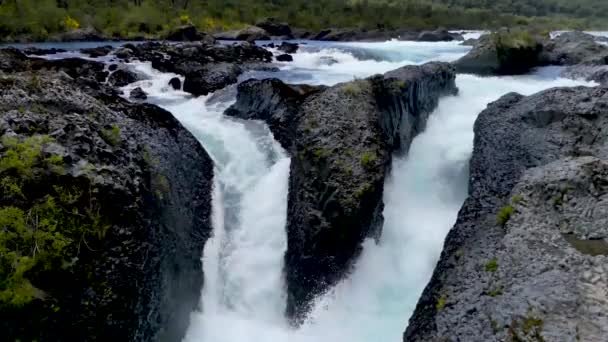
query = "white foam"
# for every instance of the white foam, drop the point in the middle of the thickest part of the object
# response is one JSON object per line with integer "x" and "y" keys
{"x": 244, "y": 294}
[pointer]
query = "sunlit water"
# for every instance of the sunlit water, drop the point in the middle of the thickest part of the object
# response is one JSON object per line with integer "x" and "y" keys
{"x": 244, "y": 295}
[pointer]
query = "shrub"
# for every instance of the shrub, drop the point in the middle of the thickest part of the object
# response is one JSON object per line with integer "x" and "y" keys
{"x": 441, "y": 302}
{"x": 70, "y": 23}
{"x": 368, "y": 160}
{"x": 492, "y": 265}
{"x": 112, "y": 135}
{"x": 504, "y": 215}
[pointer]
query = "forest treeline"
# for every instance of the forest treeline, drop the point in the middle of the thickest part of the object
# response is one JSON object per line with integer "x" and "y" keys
{"x": 125, "y": 18}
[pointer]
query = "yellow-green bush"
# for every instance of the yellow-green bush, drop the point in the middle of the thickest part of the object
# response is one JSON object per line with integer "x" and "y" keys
{"x": 40, "y": 231}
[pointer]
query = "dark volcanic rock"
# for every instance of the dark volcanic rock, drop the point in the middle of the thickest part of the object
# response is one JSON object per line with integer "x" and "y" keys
{"x": 206, "y": 67}
{"x": 285, "y": 58}
{"x": 439, "y": 35}
{"x": 575, "y": 48}
{"x": 99, "y": 51}
{"x": 275, "y": 28}
{"x": 341, "y": 140}
{"x": 175, "y": 83}
{"x": 122, "y": 77}
{"x": 250, "y": 34}
{"x": 535, "y": 272}
{"x": 502, "y": 53}
{"x": 211, "y": 77}
{"x": 274, "y": 102}
{"x": 288, "y": 47}
{"x": 131, "y": 190}
{"x": 595, "y": 73}
{"x": 40, "y": 52}
{"x": 189, "y": 33}
{"x": 138, "y": 94}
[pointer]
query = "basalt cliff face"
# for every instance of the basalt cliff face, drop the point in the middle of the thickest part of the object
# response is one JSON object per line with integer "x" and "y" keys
{"x": 526, "y": 260}
{"x": 105, "y": 208}
{"x": 341, "y": 140}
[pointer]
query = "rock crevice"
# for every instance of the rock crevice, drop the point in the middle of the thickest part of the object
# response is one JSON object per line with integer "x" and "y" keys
{"x": 341, "y": 140}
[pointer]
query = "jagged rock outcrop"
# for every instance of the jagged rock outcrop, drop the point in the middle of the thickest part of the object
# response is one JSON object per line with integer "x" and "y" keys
{"x": 105, "y": 206}
{"x": 439, "y": 35}
{"x": 276, "y": 28}
{"x": 206, "y": 67}
{"x": 211, "y": 77}
{"x": 526, "y": 260}
{"x": 341, "y": 140}
{"x": 99, "y": 51}
{"x": 189, "y": 33}
{"x": 249, "y": 33}
{"x": 122, "y": 77}
{"x": 502, "y": 53}
{"x": 284, "y": 58}
{"x": 575, "y": 47}
{"x": 517, "y": 52}
{"x": 288, "y": 47}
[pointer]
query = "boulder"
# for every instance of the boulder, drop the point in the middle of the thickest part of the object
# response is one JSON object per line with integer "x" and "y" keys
{"x": 205, "y": 67}
{"x": 122, "y": 77}
{"x": 341, "y": 140}
{"x": 274, "y": 102}
{"x": 592, "y": 73}
{"x": 122, "y": 192}
{"x": 575, "y": 47}
{"x": 439, "y": 35}
{"x": 284, "y": 58}
{"x": 250, "y": 34}
{"x": 99, "y": 51}
{"x": 189, "y": 33}
{"x": 288, "y": 47}
{"x": 175, "y": 83}
{"x": 34, "y": 51}
{"x": 275, "y": 28}
{"x": 533, "y": 230}
{"x": 502, "y": 53}
{"x": 123, "y": 53}
{"x": 211, "y": 77}
{"x": 138, "y": 94}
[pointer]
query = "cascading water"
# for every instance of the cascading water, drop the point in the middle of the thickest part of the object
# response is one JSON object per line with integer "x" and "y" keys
{"x": 244, "y": 299}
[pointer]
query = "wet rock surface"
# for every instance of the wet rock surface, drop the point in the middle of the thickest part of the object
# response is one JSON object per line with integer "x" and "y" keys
{"x": 575, "y": 47}
{"x": 341, "y": 140}
{"x": 189, "y": 33}
{"x": 97, "y": 51}
{"x": 206, "y": 67}
{"x": 133, "y": 174}
{"x": 517, "y": 52}
{"x": 526, "y": 260}
{"x": 502, "y": 53}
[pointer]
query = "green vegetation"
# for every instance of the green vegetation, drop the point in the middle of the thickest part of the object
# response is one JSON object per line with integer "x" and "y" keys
{"x": 368, "y": 159}
{"x": 43, "y": 230}
{"x": 441, "y": 302}
{"x": 504, "y": 215}
{"x": 131, "y": 18}
{"x": 363, "y": 190}
{"x": 112, "y": 135}
{"x": 492, "y": 265}
{"x": 495, "y": 292}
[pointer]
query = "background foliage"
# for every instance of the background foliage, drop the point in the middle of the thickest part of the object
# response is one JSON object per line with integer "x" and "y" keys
{"x": 41, "y": 18}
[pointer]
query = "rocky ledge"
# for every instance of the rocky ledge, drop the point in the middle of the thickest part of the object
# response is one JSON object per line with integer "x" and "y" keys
{"x": 517, "y": 52}
{"x": 341, "y": 140}
{"x": 526, "y": 260}
{"x": 207, "y": 67}
{"x": 105, "y": 208}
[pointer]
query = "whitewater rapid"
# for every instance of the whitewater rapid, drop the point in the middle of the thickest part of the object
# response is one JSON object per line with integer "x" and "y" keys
{"x": 244, "y": 295}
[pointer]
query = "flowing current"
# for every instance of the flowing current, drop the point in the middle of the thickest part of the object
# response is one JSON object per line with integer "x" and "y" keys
{"x": 244, "y": 295}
